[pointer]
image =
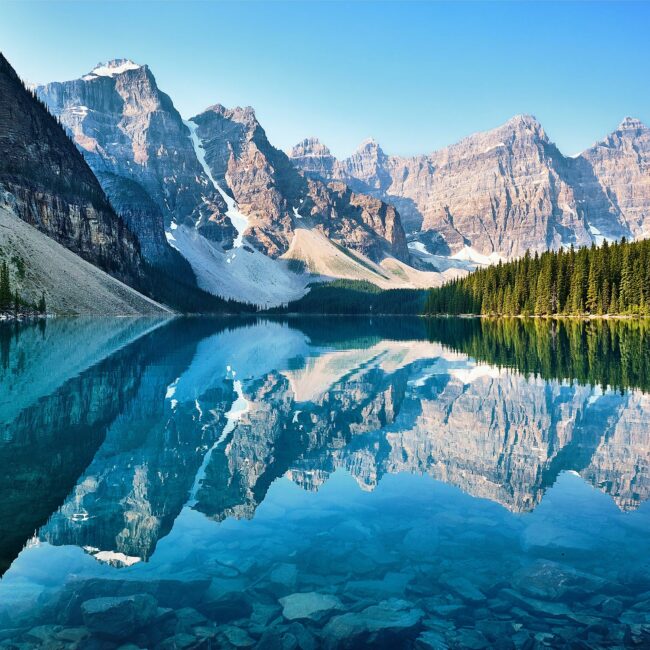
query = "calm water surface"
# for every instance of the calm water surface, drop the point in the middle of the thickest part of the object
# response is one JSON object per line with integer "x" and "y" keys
{"x": 324, "y": 483}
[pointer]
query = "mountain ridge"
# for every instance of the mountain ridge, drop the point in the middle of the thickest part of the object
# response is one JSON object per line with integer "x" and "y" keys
{"x": 214, "y": 189}
{"x": 502, "y": 191}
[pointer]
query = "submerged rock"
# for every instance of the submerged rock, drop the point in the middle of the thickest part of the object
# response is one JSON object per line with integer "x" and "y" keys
{"x": 118, "y": 617}
{"x": 551, "y": 581}
{"x": 393, "y": 619}
{"x": 308, "y": 605}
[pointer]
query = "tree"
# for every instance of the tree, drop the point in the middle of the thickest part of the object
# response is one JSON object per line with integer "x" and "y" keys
{"x": 5, "y": 287}
{"x": 610, "y": 279}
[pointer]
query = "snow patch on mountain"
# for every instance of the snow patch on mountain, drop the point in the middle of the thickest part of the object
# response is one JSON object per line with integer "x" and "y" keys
{"x": 469, "y": 254}
{"x": 238, "y": 219}
{"x": 598, "y": 236}
{"x": 111, "y": 68}
{"x": 248, "y": 275}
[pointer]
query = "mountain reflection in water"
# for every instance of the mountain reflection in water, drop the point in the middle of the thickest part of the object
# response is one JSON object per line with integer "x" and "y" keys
{"x": 160, "y": 464}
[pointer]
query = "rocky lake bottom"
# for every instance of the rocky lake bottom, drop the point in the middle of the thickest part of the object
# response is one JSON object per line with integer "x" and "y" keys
{"x": 266, "y": 484}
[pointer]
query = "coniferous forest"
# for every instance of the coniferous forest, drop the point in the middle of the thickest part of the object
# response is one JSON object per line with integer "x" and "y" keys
{"x": 613, "y": 278}
{"x": 11, "y": 301}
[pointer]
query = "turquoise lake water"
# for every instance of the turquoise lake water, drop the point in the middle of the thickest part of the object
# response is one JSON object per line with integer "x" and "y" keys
{"x": 324, "y": 483}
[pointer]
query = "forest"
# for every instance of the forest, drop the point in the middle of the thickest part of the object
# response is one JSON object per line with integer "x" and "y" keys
{"x": 612, "y": 279}
{"x": 356, "y": 297}
{"x": 11, "y": 301}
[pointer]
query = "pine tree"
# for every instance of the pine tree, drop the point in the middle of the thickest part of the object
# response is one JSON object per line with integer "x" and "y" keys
{"x": 5, "y": 287}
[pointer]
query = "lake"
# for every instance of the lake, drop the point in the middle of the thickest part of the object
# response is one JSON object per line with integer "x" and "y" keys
{"x": 199, "y": 483}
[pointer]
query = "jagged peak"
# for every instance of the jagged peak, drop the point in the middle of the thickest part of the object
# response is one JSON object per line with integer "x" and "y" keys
{"x": 310, "y": 147}
{"x": 369, "y": 145}
{"x": 524, "y": 118}
{"x": 631, "y": 124}
{"x": 524, "y": 121}
{"x": 238, "y": 113}
{"x": 112, "y": 68}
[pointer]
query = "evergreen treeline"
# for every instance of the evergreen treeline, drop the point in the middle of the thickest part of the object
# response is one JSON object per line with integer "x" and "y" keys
{"x": 10, "y": 300}
{"x": 607, "y": 353}
{"x": 356, "y": 297}
{"x": 609, "y": 279}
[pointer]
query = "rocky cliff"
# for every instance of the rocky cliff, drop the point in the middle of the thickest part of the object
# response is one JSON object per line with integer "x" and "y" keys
{"x": 504, "y": 191}
{"x": 46, "y": 182}
{"x": 277, "y": 199}
{"x": 210, "y": 199}
{"x": 618, "y": 172}
{"x": 136, "y": 142}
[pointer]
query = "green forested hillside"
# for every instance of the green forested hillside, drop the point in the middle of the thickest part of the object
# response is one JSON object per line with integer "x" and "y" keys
{"x": 356, "y": 297}
{"x": 609, "y": 279}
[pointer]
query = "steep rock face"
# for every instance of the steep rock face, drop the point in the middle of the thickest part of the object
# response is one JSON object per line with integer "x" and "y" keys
{"x": 134, "y": 139}
{"x": 313, "y": 157}
{"x": 620, "y": 172}
{"x": 47, "y": 183}
{"x": 277, "y": 198}
{"x": 506, "y": 190}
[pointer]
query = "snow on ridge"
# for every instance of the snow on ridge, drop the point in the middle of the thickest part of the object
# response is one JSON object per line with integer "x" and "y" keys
{"x": 418, "y": 246}
{"x": 111, "y": 68}
{"x": 238, "y": 219}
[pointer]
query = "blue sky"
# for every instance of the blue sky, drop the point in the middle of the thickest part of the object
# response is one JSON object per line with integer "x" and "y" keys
{"x": 415, "y": 76}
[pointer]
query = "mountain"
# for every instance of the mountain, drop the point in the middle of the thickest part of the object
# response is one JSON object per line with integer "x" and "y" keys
{"x": 136, "y": 143}
{"x": 498, "y": 193}
{"x": 277, "y": 199}
{"x": 248, "y": 224}
{"x": 620, "y": 167}
{"x": 60, "y": 234}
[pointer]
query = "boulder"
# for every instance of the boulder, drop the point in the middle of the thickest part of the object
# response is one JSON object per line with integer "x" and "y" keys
{"x": 308, "y": 605}
{"x": 118, "y": 616}
{"x": 390, "y": 621}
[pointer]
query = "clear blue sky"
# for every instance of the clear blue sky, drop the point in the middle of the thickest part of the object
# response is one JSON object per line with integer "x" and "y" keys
{"x": 415, "y": 76}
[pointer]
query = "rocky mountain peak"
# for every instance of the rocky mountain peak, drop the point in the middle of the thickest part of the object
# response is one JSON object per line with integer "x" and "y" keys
{"x": 310, "y": 147}
{"x": 313, "y": 157}
{"x": 138, "y": 146}
{"x": 369, "y": 146}
{"x": 47, "y": 183}
{"x": 524, "y": 125}
{"x": 240, "y": 114}
{"x": 112, "y": 68}
{"x": 631, "y": 124}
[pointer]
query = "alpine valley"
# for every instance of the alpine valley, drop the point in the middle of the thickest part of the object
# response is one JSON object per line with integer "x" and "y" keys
{"x": 154, "y": 212}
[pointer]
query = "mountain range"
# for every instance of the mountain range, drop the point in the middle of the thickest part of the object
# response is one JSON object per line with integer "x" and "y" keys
{"x": 497, "y": 194}
{"x": 189, "y": 212}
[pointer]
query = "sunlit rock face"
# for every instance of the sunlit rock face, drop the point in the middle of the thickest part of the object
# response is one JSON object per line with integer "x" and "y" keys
{"x": 277, "y": 198}
{"x": 138, "y": 146}
{"x": 620, "y": 167}
{"x": 504, "y": 191}
{"x": 45, "y": 181}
